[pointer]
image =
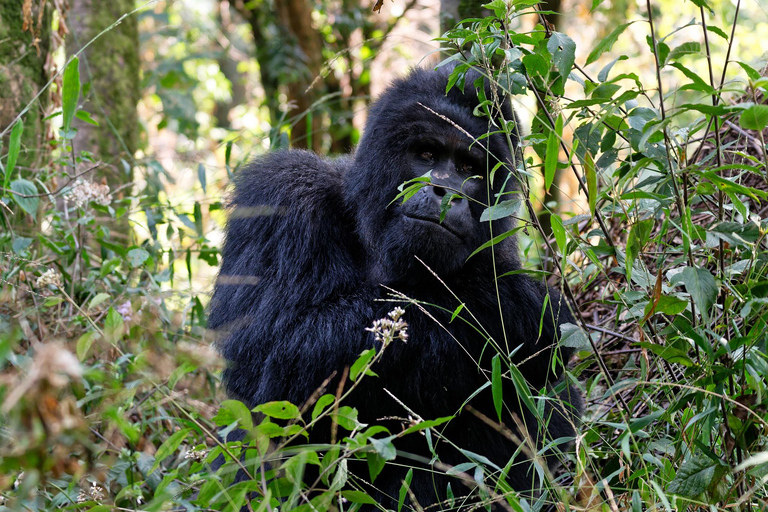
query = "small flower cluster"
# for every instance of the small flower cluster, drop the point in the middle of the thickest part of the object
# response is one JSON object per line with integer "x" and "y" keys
{"x": 85, "y": 191}
{"x": 196, "y": 455}
{"x": 50, "y": 276}
{"x": 388, "y": 329}
{"x": 95, "y": 493}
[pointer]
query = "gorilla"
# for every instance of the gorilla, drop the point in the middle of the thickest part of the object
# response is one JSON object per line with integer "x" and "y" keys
{"x": 315, "y": 249}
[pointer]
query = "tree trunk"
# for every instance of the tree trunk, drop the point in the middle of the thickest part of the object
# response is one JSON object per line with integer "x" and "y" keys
{"x": 554, "y": 194}
{"x": 296, "y": 17}
{"x": 23, "y": 73}
{"x": 111, "y": 65}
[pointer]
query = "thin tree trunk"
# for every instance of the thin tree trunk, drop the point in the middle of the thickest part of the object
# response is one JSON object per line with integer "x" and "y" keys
{"x": 111, "y": 65}
{"x": 23, "y": 73}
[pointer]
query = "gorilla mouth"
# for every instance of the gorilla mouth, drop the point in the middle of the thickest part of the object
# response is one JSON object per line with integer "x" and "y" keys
{"x": 435, "y": 222}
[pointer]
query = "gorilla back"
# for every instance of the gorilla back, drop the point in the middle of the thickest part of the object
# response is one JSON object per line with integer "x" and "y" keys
{"x": 312, "y": 246}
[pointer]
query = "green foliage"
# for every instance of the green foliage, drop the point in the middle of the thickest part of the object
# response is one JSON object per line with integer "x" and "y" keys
{"x": 666, "y": 247}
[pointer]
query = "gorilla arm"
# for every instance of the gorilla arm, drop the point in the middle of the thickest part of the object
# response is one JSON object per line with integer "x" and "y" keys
{"x": 288, "y": 282}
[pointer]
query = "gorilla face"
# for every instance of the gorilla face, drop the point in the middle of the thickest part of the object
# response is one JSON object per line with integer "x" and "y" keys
{"x": 412, "y": 133}
{"x": 453, "y": 187}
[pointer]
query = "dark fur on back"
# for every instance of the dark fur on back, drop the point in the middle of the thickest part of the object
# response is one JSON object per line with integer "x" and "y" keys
{"x": 311, "y": 241}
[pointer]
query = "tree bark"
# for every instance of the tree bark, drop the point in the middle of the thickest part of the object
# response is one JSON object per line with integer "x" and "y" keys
{"x": 23, "y": 73}
{"x": 111, "y": 65}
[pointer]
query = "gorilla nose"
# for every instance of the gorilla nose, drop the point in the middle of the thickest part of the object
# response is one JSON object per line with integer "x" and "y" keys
{"x": 440, "y": 192}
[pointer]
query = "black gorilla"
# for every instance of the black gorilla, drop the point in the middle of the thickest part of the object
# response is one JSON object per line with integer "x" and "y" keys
{"x": 313, "y": 244}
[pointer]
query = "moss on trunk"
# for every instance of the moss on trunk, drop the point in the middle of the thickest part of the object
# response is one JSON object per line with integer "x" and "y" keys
{"x": 111, "y": 65}
{"x": 22, "y": 75}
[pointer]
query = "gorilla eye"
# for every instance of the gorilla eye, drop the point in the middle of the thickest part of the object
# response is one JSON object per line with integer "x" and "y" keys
{"x": 467, "y": 168}
{"x": 427, "y": 156}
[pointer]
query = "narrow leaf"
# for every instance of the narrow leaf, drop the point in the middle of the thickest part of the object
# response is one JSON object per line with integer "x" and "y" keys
{"x": 551, "y": 156}
{"x": 169, "y": 447}
{"x": 591, "y": 175}
{"x": 70, "y": 92}
{"x": 606, "y": 44}
{"x": 14, "y": 146}
{"x": 496, "y": 385}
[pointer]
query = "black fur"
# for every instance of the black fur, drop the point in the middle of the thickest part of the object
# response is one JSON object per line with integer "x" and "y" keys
{"x": 313, "y": 243}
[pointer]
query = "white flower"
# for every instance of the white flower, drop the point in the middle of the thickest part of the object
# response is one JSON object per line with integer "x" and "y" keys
{"x": 387, "y": 329}
{"x": 49, "y": 277}
{"x": 82, "y": 192}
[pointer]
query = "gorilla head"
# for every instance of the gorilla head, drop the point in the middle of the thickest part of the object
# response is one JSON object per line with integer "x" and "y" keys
{"x": 466, "y": 157}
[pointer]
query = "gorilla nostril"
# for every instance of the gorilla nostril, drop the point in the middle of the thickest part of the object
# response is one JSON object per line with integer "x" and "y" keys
{"x": 439, "y": 191}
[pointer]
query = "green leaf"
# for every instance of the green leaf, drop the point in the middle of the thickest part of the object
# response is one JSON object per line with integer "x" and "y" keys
{"x": 638, "y": 237}
{"x": 375, "y": 464}
{"x": 702, "y": 287}
{"x": 25, "y": 188}
{"x": 602, "y": 76}
{"x": 607, "y": 43}
{"x": 424, "y": 425}
{"x": 234, "y": 410}
{"x": 704, "y": 4}
{"x": 137, "y": 257}
{"x": 201, "y": 176}
{"x": 456, "y": 312}
{"x": 445, "y": 204}
{"x": 404, "y": 489}
{"x": 98, "y": 299}
{"x": 346, "y": 417}
{"x": 113, "y": 326}
{"x": 563, "y": 51}
{"x": 180, "y": 371}
{"x": 591, "y": 176}
{"x": 710, "y": 110}
{"x": 495, "y": 240}
{"x": 496, "y": 387}
{"x": 20, "y": 244}
{"x": 667, "y": 352}
{"x": 535, "y": 65}
{"x": 553, "y": 152}
{"x": 323, "y": 402}
{"x": 573, "y": 336}
{"x": 360, "y": 364}
{"x": 70, "y": 92}
{"x": 718, "y": 31}
{"x": 688, "y": 48}
{"x": 281, "y": 410}
{"x": 358, "y": 497}
{"x": 698, "y": 83}
{"x": 559, "y": 231}
{"x": 751, "y": 72}
{"x": 668, "y": 305}
{"x": 384, "y": 447}
{"x": 86, "y": 117}
{"x": 754, "y": 118}
{"x": 84, "y": 344}
{"x": 169, "y": 447}
{"x": 14, "y": 146}
{"x": 502, "y": 209}
{"x": 695, "y": 476}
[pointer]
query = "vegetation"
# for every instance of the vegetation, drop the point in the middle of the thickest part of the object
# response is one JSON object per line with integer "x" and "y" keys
{"x": 110, "y": 386}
